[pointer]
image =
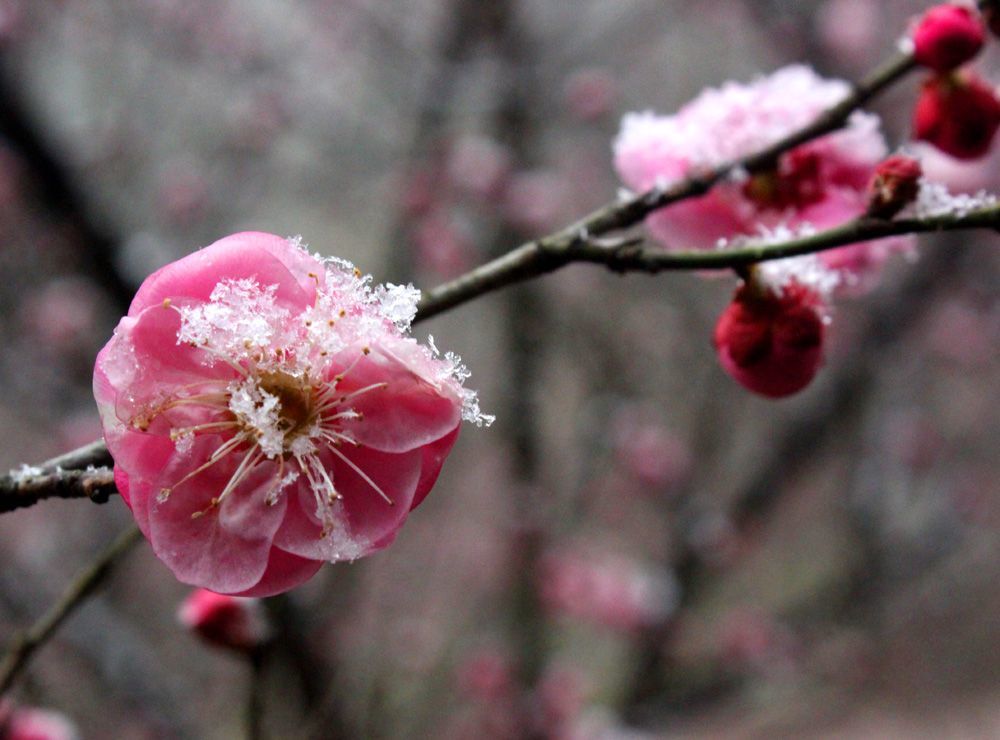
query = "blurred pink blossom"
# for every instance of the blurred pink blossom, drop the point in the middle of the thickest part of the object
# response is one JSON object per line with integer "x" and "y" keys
{"x": 818, "y": 184}
{"x": 848, "y": 29}
{"x": 231, "y": 622}
{"x": 589, "y": 94}
{"x": 534, "y": 201}
{"x": 63, "y": 312}
{"x": 655, "y": 456}
{"x": 560, "y": 699}
{"x": 267, "y": 412}
{"x": 183, "y": 194}
{"x": 30, "y": 723}
{"x": 486, "y": 674}
{"x": 609, "y": 591}
{"x": 478, "y": 165}
{"x": 442, "y": 245}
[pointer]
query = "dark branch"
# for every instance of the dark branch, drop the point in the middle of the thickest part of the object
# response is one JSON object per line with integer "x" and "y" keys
{"x": 25, "y": 644}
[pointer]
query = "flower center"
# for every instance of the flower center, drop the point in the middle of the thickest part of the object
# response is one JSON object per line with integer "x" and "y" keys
{"x": 296, "y": 402}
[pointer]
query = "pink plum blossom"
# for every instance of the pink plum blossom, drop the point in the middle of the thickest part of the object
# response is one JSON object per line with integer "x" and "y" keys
{"x": 267, "y": 412}
{"x": 818, "y": 184}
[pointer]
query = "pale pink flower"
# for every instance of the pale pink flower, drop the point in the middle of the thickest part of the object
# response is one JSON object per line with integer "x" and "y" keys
{"x": 819, "y": 184}
{"x": 267, "y": 412}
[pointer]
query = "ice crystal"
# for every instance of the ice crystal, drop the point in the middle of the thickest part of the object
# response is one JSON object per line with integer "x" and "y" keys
{"x": 934, "y": 199}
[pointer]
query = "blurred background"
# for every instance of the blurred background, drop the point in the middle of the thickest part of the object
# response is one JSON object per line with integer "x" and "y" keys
{"x": 639, "y": 547}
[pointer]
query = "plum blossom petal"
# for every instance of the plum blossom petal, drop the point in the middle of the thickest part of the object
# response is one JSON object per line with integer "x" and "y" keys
{"x": 246, "y": 255}
{"x": 362, "y": 519}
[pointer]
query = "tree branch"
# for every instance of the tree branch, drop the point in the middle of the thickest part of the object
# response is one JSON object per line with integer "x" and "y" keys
{"x": 27, "y": 487}
{"x": 546, "y": 255}
{"x": 30, "y": 485}
{"x": 25, "y": 644}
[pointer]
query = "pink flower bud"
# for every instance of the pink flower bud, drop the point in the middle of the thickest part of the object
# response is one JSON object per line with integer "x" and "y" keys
{"x": 226, "y": 621}
{"x": 959, "y": 114}
{"x": 894, "y": 185}
{"x": 771, "y": 341}
{"x": 947, "y": 36}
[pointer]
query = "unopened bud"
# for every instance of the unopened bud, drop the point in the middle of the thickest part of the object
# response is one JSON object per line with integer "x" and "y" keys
{"x": 771, "y": 342}
{"x": 958, "y": 113}
{"x": 947, "y": 36}
{"x": 231, "y": 622}
{"x": 894, "y": 185}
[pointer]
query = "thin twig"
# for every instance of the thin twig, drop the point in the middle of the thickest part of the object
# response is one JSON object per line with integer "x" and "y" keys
{"x": 539, "y": 258}
{"x": 255, "y": 695}
{"x": 27, "y": 487}
{"x": 25, "y": 644}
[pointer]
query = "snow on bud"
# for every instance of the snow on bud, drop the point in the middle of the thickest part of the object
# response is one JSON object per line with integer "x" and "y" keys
{"x": 947, "y": 36}
{"x": 958, "y": 113}
{"x": 267, "y": 412}
{"x": 770, "y": 338}
{"x": 894, "y": 185}
{"x": 232, "y": 622}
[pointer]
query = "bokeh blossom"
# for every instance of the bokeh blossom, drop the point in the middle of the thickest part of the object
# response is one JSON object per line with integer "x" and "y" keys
{"x": 232, "y": 622}
{"x": 267, "y": 412}
{"x": 818, "y": 184}
{"x": 32, "y": 723}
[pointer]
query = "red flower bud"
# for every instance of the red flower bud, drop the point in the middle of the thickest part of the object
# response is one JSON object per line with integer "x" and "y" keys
{"x": 226, "y": 621}
{"x": 947, "y": 36}
{"x": 771, "y": 342}
{"x": 957, "y": 114}
{"x": 894, "y": 185}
